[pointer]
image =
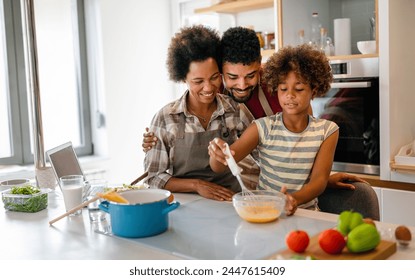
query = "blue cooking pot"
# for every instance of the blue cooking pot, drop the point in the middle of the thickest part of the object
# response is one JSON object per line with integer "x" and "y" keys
{"x": 145, "y": 215}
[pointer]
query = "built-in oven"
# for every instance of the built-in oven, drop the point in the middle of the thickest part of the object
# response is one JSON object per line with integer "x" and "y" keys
{"x": 353, "y": 103}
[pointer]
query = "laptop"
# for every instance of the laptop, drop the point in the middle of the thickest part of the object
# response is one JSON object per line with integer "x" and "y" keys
{"x": 64, "y": 161}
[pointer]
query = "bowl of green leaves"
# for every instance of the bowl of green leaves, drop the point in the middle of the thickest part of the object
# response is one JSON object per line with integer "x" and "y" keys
{"x": 25, "y": 198}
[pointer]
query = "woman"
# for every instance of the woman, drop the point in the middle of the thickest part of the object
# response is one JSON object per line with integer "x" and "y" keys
{"x": 179, "y": 161}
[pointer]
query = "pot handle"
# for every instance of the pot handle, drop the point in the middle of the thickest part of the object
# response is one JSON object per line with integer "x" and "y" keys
{"x": 171, "y": 207}
{"x": 104, "y": 206}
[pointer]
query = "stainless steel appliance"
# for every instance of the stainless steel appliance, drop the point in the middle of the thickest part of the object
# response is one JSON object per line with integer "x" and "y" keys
{"x": 353, "y": 103}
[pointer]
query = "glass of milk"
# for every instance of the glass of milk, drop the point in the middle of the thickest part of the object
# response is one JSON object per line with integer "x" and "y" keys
{"x": 72, "y": 188}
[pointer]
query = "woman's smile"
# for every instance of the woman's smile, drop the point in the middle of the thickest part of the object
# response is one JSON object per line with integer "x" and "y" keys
{"x": 208, "y": 94}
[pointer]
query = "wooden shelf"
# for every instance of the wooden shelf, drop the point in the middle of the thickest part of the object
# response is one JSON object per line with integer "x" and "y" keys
{"x": 400, "y": 167}
{"x": 267, "y": 53}
{"x": 342, "y": 57}
{"x": 237, "y": 6}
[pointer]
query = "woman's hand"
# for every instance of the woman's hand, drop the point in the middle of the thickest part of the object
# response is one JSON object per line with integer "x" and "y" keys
{"x": 343, "y": 181}
{"x": 149, "y": 140}
{"x": 290, "y": 202}
{"x": 213, "y": 191}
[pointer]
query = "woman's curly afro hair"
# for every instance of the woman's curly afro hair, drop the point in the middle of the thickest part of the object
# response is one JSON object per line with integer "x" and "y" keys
{"x": 309, "y": 64}
{"x": 240, "y": 45}
{"x": 190, "y": 44}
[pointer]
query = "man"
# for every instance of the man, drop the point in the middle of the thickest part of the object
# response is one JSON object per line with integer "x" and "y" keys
{"x": 241, "y": 73}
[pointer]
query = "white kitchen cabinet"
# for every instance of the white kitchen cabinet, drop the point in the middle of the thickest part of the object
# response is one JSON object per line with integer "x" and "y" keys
{"x": 396, "y": 73}
{"x": 403, "y": 175}
{"x": 397, "y": 206}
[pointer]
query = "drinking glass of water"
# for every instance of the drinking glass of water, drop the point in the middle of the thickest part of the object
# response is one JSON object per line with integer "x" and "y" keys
{"x": 94, "y": 187}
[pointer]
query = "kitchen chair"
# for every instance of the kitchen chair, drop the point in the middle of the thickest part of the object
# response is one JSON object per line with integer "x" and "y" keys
{"x": 363, "y": 200}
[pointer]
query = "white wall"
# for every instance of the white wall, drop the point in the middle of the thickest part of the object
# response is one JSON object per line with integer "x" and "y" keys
{"x": 261, "y": 20}
{"x": 134, "y": 83}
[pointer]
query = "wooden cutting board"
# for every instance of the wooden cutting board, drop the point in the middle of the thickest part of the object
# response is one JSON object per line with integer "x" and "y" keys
{"x": 383, "y": 251}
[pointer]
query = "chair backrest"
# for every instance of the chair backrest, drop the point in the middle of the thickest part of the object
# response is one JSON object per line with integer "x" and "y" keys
{"x": 363, "y": 200}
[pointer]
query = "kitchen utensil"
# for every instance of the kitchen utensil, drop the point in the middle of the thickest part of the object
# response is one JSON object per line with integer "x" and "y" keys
{"x": 236, "y": 171}
{"x": 145, "y": 215}
{"x": 73, "y": 210}
{"x": 266, "y": 207}
{"x": 139, "y": 178}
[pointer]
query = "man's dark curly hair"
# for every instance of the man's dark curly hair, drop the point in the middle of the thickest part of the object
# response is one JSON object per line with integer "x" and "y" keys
{"x": 190, "y": 44}
{"x": 310, "y": 65}
{"x": 240, "y": 45}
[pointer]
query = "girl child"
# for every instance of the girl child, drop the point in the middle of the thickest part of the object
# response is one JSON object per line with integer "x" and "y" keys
{"x": 296, "y": 150}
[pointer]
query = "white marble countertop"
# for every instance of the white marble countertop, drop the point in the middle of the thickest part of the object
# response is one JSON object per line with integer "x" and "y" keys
{"x": 198, "y": 229}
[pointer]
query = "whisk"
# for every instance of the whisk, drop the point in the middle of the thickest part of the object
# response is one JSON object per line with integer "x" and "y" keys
{"x": 236, "y": 171}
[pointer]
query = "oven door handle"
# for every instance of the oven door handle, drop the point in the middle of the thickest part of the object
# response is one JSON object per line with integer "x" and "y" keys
{"x": 351, "y": 85}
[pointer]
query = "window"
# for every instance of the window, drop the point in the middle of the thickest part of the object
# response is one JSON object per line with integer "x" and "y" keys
{"x": 5, "y": 144}
{"x": 62, "y": 72}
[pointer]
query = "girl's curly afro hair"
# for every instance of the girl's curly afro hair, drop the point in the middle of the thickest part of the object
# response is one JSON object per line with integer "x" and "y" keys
{"x": 309, "y": 64}
{"x": 191, "y": 44}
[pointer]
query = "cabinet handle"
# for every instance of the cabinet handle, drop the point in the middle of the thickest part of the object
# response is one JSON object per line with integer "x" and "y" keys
{"x": 351, "y": 85}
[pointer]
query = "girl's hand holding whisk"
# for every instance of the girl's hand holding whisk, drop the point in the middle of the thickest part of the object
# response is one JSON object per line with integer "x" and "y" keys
{"x": 290, "y": 203}
{"x": 216, "y": 150}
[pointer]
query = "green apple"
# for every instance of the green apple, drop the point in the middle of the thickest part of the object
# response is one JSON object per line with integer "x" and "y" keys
{"x": 348, "y": 220}
{"x": 363, "y": 238}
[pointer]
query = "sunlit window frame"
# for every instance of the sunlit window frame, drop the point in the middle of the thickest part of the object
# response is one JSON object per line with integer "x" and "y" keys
{"x": 17, "y": 85}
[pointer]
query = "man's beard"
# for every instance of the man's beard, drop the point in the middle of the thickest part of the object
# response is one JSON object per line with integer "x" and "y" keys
{"x": 242, "y": 99}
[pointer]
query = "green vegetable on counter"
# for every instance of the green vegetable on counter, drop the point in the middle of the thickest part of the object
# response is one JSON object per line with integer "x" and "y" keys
{"x": 25, "y": 199}
{"x": 27, "y": 189}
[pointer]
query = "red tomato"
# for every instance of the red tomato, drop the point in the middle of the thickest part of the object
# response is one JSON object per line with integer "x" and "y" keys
{"x": 331, "y": 241}
{"x": 297, "y": 240}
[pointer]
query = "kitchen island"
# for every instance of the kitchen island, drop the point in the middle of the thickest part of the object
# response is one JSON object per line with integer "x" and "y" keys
{"x": 198, "y": 229}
